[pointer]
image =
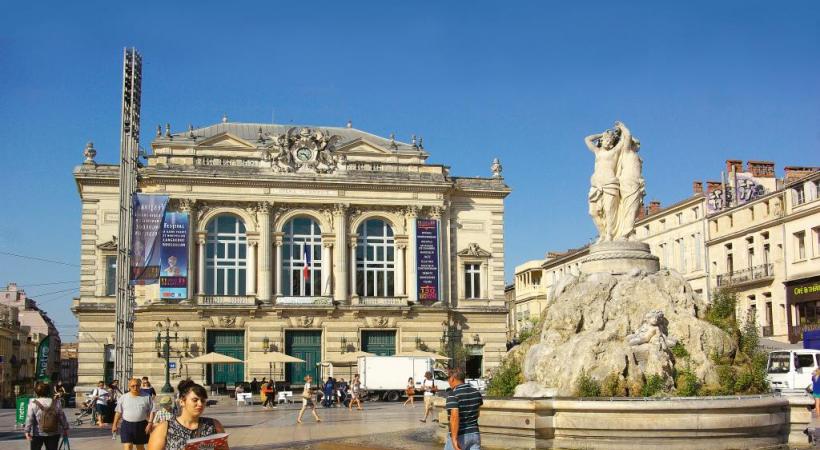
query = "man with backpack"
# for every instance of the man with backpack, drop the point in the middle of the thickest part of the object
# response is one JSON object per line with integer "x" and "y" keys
{"x": 45, "y": 419}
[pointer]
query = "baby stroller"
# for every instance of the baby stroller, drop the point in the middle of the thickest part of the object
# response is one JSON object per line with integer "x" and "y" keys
{"x": 86, "y": 410}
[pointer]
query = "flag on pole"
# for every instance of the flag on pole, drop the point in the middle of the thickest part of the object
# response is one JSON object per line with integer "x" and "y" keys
{"x": 306, "y": 258}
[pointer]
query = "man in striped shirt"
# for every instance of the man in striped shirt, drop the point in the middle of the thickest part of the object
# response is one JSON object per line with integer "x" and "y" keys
{"x": 463, "y": 406}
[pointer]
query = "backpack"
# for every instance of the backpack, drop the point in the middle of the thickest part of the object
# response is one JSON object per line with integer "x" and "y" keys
{"x": 49, "y": 423}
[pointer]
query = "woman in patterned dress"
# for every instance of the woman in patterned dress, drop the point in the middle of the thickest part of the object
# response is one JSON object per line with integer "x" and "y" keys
{"x": 173, "y": 434}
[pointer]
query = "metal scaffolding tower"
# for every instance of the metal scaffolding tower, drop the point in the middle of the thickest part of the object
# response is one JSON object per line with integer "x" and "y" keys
{"x": 129, "y": 154}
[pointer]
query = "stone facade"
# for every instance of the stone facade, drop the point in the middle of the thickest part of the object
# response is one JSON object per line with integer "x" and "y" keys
{"x": 739, "y": 246}
{"x": 341, "y": 181}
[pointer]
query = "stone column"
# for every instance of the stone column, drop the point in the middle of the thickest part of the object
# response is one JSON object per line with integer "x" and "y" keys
{"x": 200, "y": 275}
{"x": 400, "y": 275}
{"x": 263, "y": 215}
{"x": 189, "y": 206}
{"x": 351, "y": 243}
{"x": 250, "y": 288}
{"x": 279, "y": 239}
{"x": 340, "y": 265}
{"x": 411, "y": 214}
{"x": 327, "y": 268}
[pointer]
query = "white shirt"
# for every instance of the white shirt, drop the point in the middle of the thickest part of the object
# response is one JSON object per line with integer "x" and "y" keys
{"x": 428, "y": 386}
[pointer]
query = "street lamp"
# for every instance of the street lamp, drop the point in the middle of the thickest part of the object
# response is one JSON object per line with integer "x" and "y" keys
{"x": 164, "y": 348}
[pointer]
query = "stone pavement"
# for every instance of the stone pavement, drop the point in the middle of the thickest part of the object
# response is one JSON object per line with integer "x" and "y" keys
{"x": 380, "y": 426}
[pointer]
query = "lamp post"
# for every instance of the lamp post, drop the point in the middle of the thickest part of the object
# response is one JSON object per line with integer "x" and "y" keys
{"x": 164, "y": 348}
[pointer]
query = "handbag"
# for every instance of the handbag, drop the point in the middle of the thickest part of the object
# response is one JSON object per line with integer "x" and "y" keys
{"x": 64, "y": 444}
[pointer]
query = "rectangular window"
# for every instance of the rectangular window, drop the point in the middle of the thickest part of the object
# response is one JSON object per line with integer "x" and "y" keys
{"x": 816, "y": 239}
{"x": 472, "y": 281}
{"x": 681, "y": 255}
{"x": 799, "y": 195}
{"x": 110, "y": 275}
{"x": 697, "y": 243}
{"x": 679, "y": 217}
{"x": 750, "y": 257}
{"x": 696, "y": 213}
{"x": 800, "y": 245}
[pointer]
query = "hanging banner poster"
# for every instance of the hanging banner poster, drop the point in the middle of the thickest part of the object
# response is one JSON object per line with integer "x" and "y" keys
{"x": 173, "y": 277}
{"x": 427, "y": 260}
{"x": 42, "y": 358}
{"x": 145, "y": 238}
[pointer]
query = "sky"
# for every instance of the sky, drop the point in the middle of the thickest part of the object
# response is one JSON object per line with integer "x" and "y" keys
{"x": 698, "y": 82}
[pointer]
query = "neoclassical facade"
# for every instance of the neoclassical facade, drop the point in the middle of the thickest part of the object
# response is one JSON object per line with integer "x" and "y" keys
{"x": 302, "y": 240}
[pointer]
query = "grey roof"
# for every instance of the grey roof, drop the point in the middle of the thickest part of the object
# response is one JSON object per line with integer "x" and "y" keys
{"x": 250, "y": 132}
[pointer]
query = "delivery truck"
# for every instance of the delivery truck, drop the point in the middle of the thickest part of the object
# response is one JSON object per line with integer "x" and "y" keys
{"x": 385, "y": 377}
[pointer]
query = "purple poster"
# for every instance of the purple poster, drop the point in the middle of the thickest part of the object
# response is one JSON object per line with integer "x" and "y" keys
{"x": 145, "y": 237}
{"x": 427, "y": 260}
{"x": 173, "y": 277}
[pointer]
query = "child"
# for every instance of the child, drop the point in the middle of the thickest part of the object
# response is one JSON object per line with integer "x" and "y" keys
{"x": 307, "y": 401}
{"x": 165, "y": 411}
{"x": 411, "y": 392}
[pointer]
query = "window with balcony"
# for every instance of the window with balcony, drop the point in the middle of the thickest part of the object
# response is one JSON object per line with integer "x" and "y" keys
{"x": 472, "y": 281}
{"x": 226, "y": 254}
{"x": 375, "y": 259}
{"x": 800, "y": 246}
{"x": 302, "y": 258}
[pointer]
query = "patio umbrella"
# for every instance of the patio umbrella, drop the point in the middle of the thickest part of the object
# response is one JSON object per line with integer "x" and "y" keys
{"x": 349, "y": 358}
{"x": 276, "y": 357}
{"x": 423, "y": 354}
{"x": 212, "y": 358}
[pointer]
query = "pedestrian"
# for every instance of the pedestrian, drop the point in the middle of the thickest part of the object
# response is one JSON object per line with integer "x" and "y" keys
{"x": 262, "y": 393}
{"x": 173, "y": 434}
{"x": 430, "y": 389}
{"x": 165, "y": 411}
{"x": 146, "y": 390}
{"x": 463, "y": 406}
{"x": 328, "y": 392}
{"x": 101, "y": 397}
{"x": 307, "y": 400}
{"x": 270, "y": 395}
{"x": 356, "y": 391}
{"x": 341, "y": 393}
{"x": 815, "y": 391}
{"x": 410, "y": 390}
{"x": 254, "y": 386}
{"x": 60, "y": 393}
{"x": 45, "y": 419}
{"x": 134, "y": 417}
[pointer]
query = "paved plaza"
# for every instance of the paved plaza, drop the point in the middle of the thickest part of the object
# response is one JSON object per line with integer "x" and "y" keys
{"x": 379, "y": 426}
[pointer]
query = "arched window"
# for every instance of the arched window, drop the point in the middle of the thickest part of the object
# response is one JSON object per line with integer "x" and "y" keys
{"x": 225, "y": 260}
{"x": 375, "y": 259}
{"x": 302, "y": 258}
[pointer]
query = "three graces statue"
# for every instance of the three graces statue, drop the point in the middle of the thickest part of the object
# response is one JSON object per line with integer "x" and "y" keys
{"x": 617, "y": 187}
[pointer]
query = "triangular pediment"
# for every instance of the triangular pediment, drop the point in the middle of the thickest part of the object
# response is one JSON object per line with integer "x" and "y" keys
{"x": 109, "y": 246}
{"x": 475, "y": 251}
{"x": 226, "y": 140}
{"x": 363, "y": 147}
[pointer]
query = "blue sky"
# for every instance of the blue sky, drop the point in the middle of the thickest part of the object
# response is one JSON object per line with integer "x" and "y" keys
{"x": 698, "y": 82}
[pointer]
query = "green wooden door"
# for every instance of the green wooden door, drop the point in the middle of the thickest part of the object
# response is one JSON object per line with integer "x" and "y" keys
{"x": 379, "y": 342}
{"x": 230, "y": 343}
{"x": 306, "y": 345}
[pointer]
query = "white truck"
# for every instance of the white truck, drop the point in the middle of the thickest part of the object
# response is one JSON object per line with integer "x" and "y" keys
{"x": 789, "y": 371}
{"x": 385, "y": 377}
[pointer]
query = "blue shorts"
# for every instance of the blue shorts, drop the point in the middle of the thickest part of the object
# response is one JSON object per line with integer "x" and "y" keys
{"x": 133, "y": 432}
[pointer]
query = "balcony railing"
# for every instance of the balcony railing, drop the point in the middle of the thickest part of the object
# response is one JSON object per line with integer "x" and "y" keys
{"x": 766, "y": 331}
{"x": 755, "y": 273}
{"x": 288, "y": 300}
{"x": 380, "y": 301}
{"x": 796, "y": 332}
{"x": 226, "y": 300}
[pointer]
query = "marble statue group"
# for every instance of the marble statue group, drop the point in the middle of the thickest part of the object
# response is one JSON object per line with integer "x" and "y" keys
{"x": 617, "y": 186}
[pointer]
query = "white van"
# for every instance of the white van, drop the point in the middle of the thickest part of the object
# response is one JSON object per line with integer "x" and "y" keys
{"x": 791, "y": 370}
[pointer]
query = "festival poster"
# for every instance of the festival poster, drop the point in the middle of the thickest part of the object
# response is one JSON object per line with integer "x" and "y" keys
{"x": 145, "y": 241}
{"x": 173, "y": 280}
{"x": 427, "y": 260}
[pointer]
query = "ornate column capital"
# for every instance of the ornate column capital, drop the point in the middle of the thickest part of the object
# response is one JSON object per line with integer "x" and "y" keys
{"x": 436, "y": 212}
{"x": 401, "y": 245}
{"x": 412, "y": 211}
{"x": 326, "y": 243}
{"x": 201, "y": 237}
{"x": 188, "y": 205}
{"x": 262, "y": 207}
{"x": 352, "y": 241}
{"x": 278, "y": 238}
{"x": 340, "y": 209}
